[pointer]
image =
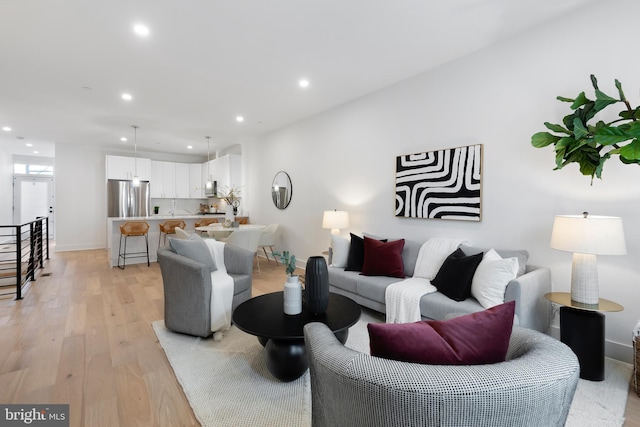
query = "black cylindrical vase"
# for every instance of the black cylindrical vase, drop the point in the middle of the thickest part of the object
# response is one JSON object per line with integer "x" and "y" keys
{"x": 317, "y": 285}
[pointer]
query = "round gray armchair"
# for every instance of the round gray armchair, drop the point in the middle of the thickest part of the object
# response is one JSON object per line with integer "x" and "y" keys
{"x": 533, "y": 387}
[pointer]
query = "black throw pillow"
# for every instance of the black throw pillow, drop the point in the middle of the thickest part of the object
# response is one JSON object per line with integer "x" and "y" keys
{"x": 455, "y": 276}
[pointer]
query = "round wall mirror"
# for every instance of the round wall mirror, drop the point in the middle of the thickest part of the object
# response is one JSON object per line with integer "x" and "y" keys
{"x": 281, "y": 190}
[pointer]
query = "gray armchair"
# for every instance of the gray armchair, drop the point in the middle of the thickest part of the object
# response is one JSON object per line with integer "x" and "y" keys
{"x": 187, "y": 288}
{"x": 534, "y": 387}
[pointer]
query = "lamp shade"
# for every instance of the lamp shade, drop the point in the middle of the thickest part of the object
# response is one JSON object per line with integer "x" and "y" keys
{"x": 335, "y": 219}
{"x": 588, "y": 234}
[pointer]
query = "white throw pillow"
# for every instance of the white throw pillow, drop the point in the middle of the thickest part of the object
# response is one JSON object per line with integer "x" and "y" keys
{"x": 492, "y": 277}
{"x": 340, "y": 246}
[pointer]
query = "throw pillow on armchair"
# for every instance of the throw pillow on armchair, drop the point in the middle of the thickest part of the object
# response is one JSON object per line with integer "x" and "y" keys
{"x": 473, "y": 339}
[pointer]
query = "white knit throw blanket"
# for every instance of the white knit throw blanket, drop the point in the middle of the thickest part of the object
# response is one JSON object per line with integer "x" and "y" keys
{"x": 402, "y": 299}
{"x": 432, "y": 254}
{"x": 221, "y": 289}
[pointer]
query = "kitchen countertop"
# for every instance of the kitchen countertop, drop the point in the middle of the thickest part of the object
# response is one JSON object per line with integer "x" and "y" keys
{"x": 113, "y": 234}
{"x": 177, "y": 216}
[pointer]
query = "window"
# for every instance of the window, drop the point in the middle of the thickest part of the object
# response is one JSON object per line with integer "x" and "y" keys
{"x": 23, "y": 169}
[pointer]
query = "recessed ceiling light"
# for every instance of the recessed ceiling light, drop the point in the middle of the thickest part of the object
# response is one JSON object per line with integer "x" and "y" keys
{"x": 123, "y": 139}
{"x": 6, "y": 128}
{"x": 35, "y": 152}
{"x": 29, "y": 144}
{"x": 190, "y": 147}
{"x": 239, "y": 119}
{"x": 141, "y": 30}
{"x": 303, "y": 83}
{"x": 127, "y": 96}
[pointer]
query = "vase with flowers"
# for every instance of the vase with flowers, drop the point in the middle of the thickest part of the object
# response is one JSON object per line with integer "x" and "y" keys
{"x": 292, "y": 287}
{"x": 231, "y": 196}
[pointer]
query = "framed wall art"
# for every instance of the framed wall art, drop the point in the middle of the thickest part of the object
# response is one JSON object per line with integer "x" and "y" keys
{"x": 443, "y": 184}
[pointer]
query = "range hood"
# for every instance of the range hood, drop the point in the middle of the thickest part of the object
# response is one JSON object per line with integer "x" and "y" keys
{"x": 211, "y": 191}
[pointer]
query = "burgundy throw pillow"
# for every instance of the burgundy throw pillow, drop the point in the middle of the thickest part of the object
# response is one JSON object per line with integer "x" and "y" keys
{"x": 383, "y": 258}
{"x": 474, "y": 339}
{"x": 355, "y": 259}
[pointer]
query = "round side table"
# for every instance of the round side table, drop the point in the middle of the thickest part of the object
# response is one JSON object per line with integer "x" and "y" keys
{"x": 582, "y": 329}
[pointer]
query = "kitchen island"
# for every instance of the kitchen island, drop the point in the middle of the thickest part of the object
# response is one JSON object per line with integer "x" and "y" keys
{"x": 137, "y": 244}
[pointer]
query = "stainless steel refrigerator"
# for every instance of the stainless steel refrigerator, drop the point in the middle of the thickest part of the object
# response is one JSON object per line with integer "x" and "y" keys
{"x": 124, "y": 200}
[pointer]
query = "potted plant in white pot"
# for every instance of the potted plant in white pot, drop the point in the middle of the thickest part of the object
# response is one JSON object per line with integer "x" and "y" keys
{"x": 292, "y": 287}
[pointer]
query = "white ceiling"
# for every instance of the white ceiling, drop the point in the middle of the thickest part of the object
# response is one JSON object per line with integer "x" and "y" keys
{"x": 64, "y": 64}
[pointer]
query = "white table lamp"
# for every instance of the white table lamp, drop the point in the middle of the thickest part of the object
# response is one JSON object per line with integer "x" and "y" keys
{"x": 587, "y": 236}
{"x": 335, "y": 220}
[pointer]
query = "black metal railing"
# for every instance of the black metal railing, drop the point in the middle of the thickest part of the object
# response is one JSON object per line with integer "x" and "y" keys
{"x": 23, "y": 250}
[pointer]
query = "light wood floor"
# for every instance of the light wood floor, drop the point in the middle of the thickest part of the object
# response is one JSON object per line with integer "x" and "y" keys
{"x": 83, "y": 336}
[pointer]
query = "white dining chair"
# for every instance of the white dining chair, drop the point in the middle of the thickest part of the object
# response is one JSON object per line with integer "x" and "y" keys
{"x": 248, "y": 239}
{"x": 181, "y": 234}
{"x": 268, "y": 240}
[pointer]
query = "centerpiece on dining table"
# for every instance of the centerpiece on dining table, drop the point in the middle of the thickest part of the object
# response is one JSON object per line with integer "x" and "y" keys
{"x": 231, "y": 196}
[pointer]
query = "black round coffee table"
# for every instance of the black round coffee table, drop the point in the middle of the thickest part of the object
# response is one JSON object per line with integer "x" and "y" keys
{"x": 282, "y": 334}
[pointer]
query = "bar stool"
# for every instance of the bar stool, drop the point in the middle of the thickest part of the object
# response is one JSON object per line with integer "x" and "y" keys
{"x": 133, "y": 229}
{"x": 204, "y": 222}
{"x": 169, "y": 227}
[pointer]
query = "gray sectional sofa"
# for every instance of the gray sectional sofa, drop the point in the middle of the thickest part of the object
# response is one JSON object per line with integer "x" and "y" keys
{"x": 533, "y": 311}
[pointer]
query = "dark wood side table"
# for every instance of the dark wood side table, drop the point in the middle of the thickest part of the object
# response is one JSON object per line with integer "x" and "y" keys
{"x": 282, "y": 335}
{"x": 582, "y": 329}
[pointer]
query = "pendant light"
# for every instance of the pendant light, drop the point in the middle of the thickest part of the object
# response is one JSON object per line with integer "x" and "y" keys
{"x": 209, "y": 183}
{"x": 136, "y": 178}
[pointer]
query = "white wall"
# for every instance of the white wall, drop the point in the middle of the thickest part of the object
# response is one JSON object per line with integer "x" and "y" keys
{"x": 81, "y": 211}
{"x": 6, "y": 187}
{"x": 499, "y": 97}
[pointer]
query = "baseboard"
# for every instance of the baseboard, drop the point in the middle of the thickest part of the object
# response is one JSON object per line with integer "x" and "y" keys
{"x": 612, "y": 349}
{"x": 85, "y": 247}
{"x": 300, "y": 263}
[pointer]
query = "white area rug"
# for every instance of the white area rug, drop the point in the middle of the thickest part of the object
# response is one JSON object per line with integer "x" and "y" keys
{"x": 227, "y": 383}
{"x": 602, "y": 403}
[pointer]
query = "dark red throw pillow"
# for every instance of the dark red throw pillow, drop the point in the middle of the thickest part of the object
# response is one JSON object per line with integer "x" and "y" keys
{"x": 473, "y": 339}
{"x": 355, "y": 259}
{"x": 383, "y": 258}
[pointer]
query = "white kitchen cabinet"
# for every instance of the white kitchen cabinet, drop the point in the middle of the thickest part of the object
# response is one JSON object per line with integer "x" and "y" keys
{"x": 228, "y": 171}
{"x": 123, "y": 167}
{"x": 186, "y": 181}
{"x": 118, "y": 167}
{"x": 183, "y": 189}
{"x": 163, "y": 180}
{"x": 155, "y": 183}
{"x": 144, "y": 169}
{"x": 169, "y": 180}
{"x": 196, "y": 184}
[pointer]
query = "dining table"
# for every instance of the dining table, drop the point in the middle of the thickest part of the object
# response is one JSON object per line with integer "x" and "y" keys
{"x": 220, "y": 232}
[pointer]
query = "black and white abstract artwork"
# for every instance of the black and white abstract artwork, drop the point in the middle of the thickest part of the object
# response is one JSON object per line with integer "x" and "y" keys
{"x": 443, "y": 184}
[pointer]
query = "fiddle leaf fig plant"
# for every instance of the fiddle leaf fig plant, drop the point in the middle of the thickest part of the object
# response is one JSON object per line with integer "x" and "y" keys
{"x": 589, "y": 142}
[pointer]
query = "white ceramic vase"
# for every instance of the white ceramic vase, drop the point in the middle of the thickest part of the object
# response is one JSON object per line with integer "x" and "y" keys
{"x": 292, "y": 296}
{"x": 228, "y": 214}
